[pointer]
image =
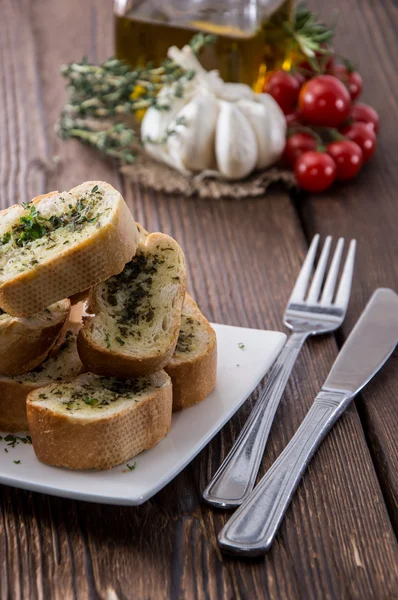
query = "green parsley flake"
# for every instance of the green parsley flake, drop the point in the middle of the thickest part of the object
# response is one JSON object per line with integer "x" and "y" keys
{"x": 90, "y": 401}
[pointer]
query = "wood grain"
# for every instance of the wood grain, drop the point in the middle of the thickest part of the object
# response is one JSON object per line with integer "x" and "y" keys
{"x": 337, "y": 541}
{"x": 371, "y": 203}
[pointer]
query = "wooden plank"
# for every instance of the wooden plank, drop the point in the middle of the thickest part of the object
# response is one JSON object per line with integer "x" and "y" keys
{"x": 366, "y": 33}
{"x": 337, "y": 541}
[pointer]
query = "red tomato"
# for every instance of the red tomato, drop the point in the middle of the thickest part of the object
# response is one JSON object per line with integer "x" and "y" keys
{"x": 324, "y": 100}
{"x": 351, "y": 79}
{"x": 348, "y": 158}
{"x": 365, "y": 114}
{"x": 292, "y": 117}
{"x": 315, "y": 171}
{"x": 296, "y": 145}
{"x": 362, "y": 135}
{"x": 300, "y": 77}
{"x": 284, "y": 88}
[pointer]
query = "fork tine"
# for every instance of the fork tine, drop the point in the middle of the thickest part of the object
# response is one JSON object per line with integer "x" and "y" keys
{"x": 320, "y": 272}
{"x": 343, "y": 293}
{"x": 331, "y": 279}
{"x": 305, "y": 273}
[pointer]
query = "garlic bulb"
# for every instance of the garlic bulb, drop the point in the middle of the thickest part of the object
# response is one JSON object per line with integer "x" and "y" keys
{"x": 215, "y": 128}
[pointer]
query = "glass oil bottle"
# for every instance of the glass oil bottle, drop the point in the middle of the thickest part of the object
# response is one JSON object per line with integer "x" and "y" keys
{"x": 251, "y": 39}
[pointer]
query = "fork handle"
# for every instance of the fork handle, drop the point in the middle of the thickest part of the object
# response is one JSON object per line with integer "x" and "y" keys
{"x": 236, "y": 476}
{"x": 253, "y": 526}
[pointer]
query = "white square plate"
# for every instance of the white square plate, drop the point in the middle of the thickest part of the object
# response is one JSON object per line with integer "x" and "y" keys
{"x": 244, "y": 356}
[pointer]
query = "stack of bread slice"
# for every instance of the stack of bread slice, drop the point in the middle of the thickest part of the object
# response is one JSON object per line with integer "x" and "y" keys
{"x": 93, "y": 394}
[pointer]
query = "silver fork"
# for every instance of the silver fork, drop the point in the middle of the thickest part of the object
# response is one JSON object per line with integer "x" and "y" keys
{"x": 305, "y": 316}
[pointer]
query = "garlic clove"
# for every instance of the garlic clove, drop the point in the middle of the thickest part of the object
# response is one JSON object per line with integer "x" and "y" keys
{"x": 159, "y": 153}
{"x": 258, "y": 117}
{"x": 277, "y": 125}
{"x": 192, "y": 140}
{"x": 236, "y": 144}
{"x": 156, "y": 122}
{"x": 232, "y": 92}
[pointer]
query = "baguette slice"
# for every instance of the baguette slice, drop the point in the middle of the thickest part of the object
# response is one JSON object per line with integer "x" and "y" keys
{"x": 61, "y": 244}
{"x": 25, "y": 343}
{"x": 193, "y": 368}
{"x": 65, "y": 365}
{"x": 97, "y": 422}
{"x": 137, "y": 313}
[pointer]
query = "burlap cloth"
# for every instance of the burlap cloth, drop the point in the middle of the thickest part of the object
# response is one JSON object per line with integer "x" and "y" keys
{"x": 162, "y": 178}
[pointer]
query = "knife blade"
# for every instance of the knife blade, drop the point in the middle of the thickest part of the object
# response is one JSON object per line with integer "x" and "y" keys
{"x": 252, "y": 528}
{"x": 368, "y": 346}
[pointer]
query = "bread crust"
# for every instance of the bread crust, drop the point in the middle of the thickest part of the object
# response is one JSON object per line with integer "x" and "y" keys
{"x": 102, "y": 361}
{"x": 25, "y": 344}
{"x": 73, "y": 270}
{"x": 64, "y": 441}
{"x": 194, "y": 378}
{"x": 13, "y": 405}
{"x": 13, "y": 393}
{"x": 106, "y": 361}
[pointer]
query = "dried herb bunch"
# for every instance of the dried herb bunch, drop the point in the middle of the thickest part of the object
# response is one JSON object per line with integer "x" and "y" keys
{"x": 112, "y": 91}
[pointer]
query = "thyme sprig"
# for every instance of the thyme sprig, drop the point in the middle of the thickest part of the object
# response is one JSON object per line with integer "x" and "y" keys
{"x": 117, "y": 140}
{"x": 113, "y": 91}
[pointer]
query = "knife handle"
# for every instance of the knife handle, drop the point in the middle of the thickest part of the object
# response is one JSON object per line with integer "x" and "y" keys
{"x": 252, "y": 528}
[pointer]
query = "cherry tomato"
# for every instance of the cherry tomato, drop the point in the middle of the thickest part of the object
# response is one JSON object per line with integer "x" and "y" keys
{"x": 300, "y": 77}
{"x": 292, "y": 117}
{"x": 284, "y": 88}
{"x": 296, "y": 145}
{"x": 315, "y": 171}
{"x": 365, "y": 114}
{"x": 351, "y": 79}
{"x": 324, "y": 100}
{"x": 348, "y": 158}
{"x": 362, "y": 135}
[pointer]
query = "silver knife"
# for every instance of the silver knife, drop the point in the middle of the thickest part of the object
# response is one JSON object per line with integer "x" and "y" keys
{"x": 252, "y": 528}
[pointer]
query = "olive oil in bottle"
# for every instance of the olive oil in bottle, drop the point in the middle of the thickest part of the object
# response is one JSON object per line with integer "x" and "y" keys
{"x": 251, "y": 39}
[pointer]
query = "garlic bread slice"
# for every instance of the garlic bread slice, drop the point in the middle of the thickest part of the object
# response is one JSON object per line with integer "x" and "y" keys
{"x": 64, "y": 365}
{"x": 193, "y": 367}
{"x": 25, "y": 342}
{"x": 137, "y": 313}
{"x": 61, "y": 244}
{"x": 98, "y": 422}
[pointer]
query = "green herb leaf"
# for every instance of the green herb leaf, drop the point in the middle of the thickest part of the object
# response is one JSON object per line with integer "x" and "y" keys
{"x": 90, "y": 401}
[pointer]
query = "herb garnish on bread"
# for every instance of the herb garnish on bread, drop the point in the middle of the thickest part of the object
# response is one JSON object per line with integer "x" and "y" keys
{"x": 97, "y": 422}
{"x": 193, "y": 368}
{"x": 64, "y": 365}
{"x": 137, "y": 313}
{"x": 61, "y": 244}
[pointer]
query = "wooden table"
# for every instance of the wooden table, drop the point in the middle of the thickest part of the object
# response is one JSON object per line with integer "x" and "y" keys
{"x": 338, "y": 539}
